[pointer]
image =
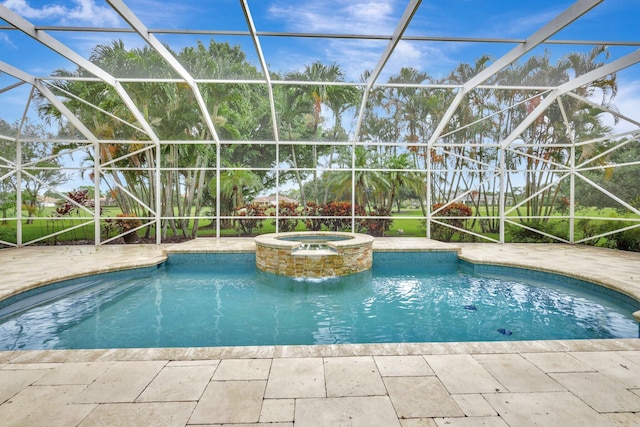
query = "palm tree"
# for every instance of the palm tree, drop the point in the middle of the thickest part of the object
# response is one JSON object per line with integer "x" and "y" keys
{"x": 406, "y": 103}
{"x": 398, "y": 177}
{"x": 173, "y": 114}
{"x": 544, "y": 157}
{"x": 309, "y": 100}
{"x": 235, "y": 182}
{"x": 367, "y": 179}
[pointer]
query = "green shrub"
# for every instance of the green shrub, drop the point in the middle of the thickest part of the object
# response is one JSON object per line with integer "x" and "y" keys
{"x": 523, "y": 235}
{"x": 588, "y": 228}
{"x": 456, "y": 213}
{"x": 338, "y": 214}
{"x": 313, "y": 209}
{"x": 377, "y": 226}
{"x": 248, "y": 226}
{"x": 628, "y": 240}
{"x": 287, "y": 224}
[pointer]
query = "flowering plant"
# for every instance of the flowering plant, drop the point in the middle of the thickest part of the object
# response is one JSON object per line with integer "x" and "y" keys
{"x": 124, "y": 224}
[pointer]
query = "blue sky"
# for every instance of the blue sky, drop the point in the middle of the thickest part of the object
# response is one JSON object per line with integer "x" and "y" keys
{"x": 613, "y": 20}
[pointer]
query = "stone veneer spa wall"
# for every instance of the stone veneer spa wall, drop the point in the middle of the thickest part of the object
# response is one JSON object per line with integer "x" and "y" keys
{"x": 314, "y": 254}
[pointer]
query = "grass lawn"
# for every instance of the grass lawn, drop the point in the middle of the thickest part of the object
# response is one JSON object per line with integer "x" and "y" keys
{"x": 407, "y": 222}
{"x": 406, "y": 226}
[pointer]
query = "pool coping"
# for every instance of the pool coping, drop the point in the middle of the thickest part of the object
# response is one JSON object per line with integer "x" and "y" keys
{"x": 276, "y": 240}
{"x": 306, "y": 351}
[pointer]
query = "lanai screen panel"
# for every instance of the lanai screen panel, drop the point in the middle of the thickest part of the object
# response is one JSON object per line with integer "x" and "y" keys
{"x": 479, "y": 123}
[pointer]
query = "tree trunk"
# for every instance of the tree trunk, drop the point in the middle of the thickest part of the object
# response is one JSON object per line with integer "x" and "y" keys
{"x": 303, "y": 198}
{"x": 198, "y": 203}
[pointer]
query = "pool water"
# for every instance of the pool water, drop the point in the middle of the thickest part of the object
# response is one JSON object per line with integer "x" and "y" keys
{"x": 314, "y": 242}
{"x": 315, "y": 238}
{"x": 223, "y": 300}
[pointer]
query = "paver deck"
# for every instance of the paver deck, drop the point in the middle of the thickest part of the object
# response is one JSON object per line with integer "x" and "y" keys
{"x": 529, "y": 383}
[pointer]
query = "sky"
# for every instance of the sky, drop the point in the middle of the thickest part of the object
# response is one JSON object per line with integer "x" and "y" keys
{"x": 612, "y": 20}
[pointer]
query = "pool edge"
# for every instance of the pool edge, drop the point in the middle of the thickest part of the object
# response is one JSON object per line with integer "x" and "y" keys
{"x": 581, "y": 262}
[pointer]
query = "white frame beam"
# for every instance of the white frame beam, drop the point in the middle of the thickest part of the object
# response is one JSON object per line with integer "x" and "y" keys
{"x": 561, "y": 21}
{"x": 490, "y": 170}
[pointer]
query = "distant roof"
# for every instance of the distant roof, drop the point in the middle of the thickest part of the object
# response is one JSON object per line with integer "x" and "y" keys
{"x": 272, "y": 199}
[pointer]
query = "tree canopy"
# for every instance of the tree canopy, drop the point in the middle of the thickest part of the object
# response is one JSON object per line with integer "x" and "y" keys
{"x": 312, "y": 145}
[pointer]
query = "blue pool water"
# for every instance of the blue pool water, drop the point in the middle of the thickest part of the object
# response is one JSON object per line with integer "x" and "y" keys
{"x": 314, "y": 239}
{"x": 222, "y": 300}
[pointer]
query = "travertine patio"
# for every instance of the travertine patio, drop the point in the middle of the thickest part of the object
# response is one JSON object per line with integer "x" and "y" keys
{"x": 534, "y": 383}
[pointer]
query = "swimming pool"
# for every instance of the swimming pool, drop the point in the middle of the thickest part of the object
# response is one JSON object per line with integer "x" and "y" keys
{"x": 222, "y": 300}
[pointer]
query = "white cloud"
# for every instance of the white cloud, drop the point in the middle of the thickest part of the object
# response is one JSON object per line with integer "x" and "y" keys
{"x": 21, "y": 7}
{"x": 365, "y": 17}
{"x": 369, "y": 14}
{"x": 356, "y": 57}
{"x": 627, "y": 101}
{"x": 524, "y": 25}
{"x": 163, "y": 14}
{"x": 6, "y": 41}
{"x": 359, "y": 17}
{"x": 81, "y": 11}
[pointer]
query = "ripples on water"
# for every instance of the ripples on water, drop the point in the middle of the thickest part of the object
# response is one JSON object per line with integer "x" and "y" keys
{"x": 175, "y": 307}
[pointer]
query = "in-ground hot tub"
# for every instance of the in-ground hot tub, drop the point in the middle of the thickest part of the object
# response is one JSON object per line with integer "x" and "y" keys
{"x": 314, "y": 254}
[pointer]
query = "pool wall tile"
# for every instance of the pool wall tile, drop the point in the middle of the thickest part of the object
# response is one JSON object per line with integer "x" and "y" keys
{"x": 416, "y": 262}
{"x": 564, "y": 280}
{"x": 57, "y": 289}
{"x": 212, "y": 261}
{"x": 402, "y": 259}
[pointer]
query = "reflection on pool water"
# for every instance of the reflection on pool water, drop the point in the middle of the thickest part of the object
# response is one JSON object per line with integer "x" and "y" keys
{"x": 223, "y": 300}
